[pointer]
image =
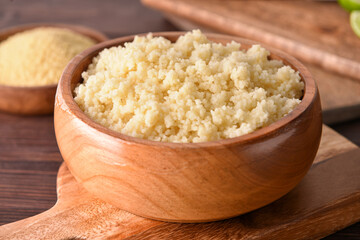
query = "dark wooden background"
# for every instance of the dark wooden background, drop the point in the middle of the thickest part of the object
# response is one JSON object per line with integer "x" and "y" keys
{"x": 29, "y": 157}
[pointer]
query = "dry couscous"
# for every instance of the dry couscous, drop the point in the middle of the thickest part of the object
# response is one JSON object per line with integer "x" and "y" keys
{"x": 192, "y": 90}
{"x": 38, "y": 56}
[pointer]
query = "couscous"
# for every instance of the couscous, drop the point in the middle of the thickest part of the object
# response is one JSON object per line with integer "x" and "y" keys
{"x": 38, "y": 56}
{"x": 192, "y": 90}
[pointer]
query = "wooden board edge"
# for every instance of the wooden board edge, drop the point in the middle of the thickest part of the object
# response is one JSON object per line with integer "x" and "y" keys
{"x": 315, "y": 225}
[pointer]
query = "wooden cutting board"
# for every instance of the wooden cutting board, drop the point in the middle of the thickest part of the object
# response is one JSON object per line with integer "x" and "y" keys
{"x": 327, "y": 200}
{"x": 324, "y": 42}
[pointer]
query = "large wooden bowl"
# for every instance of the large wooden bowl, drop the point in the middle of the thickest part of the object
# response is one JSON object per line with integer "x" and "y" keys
{"x": 187, "y": 182}
{"x": 40, "y": 99}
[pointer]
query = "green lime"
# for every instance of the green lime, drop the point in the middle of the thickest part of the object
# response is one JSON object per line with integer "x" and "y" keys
{"x": 355, "y": 22}
{"x": 350, "y": 5}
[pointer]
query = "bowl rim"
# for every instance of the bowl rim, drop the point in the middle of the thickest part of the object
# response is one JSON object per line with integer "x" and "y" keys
{"x": 68, "y": 104}
{"x": 9, "y": 31}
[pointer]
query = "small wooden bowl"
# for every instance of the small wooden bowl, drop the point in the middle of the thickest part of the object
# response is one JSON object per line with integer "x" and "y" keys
{"x": 187, "y": 182}
{"x": 38, "y": 99}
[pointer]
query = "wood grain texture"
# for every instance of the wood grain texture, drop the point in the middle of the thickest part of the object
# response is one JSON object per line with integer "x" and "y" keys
{"x": 193, "y": 182}
{"x": 29, "y": 156}
{"x": 350, "y": 130}
{"x": 332, "y": 143}
{"x": 39, "y": 99}
{"x": 311, "y": 210}
{"x": 29, "y": 161}
{"x": 295, "y": 27}
{"x": 340, "y": 95}
{"x": 115, "y": 18}
{"x": 27, "y": 100}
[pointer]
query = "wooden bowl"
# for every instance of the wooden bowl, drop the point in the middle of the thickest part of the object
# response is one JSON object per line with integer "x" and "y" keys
{"x": 38, "y": 99}
{"x": 187, "y": 182}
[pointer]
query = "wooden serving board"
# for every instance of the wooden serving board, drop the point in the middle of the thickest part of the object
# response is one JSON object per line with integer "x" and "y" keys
{"x": 314, "y": 32}
{"x": 324, "y": 42}
{"x": 327, "y": 200}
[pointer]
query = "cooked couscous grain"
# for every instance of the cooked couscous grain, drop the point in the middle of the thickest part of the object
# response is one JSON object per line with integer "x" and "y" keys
{"x": 38, "y": 56}
{"x": 193, "y": 90}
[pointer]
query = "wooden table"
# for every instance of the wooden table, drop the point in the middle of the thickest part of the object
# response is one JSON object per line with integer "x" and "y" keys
{"x": 29, "y": 157}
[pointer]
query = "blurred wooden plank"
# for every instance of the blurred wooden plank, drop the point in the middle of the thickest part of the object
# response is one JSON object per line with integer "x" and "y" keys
{"x": 115, "y": 18}
{"x": 295, "y": 27}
